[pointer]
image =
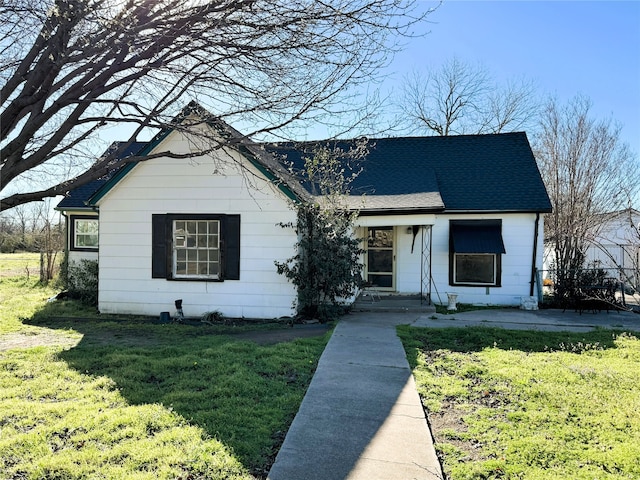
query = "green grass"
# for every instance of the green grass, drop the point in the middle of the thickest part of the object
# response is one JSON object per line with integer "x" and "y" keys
{"x": 23, "y": 264}
{"x": 530, "y": 405}
{"x": 129, "y": 399}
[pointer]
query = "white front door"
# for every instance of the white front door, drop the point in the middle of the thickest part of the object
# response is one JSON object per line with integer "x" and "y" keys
{"x": 380, "y": 257}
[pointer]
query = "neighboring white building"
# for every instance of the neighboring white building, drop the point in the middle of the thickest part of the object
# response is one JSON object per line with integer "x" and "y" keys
{"x": 615, "y": 244}
{"x": 457, "y": 214}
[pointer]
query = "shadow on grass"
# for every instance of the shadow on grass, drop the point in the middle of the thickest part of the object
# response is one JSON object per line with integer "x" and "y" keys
{"x": 238, "y": 391}
{"x": 475, "y": 339}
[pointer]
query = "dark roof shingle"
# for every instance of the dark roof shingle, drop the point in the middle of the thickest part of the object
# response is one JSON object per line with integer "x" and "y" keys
{"x": 77, "y": 198}
{"x": 487, "y": 173}
{"x": 496, "y": 172}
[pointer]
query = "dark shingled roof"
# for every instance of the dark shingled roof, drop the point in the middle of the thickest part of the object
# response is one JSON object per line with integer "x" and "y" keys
{"x": 76, "y": 198}
{"x": 482, "y": 173}
{"x": 495, "y": 172}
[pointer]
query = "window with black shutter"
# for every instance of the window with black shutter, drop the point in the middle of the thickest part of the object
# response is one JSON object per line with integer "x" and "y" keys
{"x": 199, "y": 247}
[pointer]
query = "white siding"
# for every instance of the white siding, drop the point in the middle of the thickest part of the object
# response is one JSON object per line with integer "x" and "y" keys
{"x": 165, "y": 185}
{"x": 517, "y": 233}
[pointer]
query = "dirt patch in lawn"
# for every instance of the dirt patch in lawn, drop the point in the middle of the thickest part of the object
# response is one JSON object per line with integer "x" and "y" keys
{"x": 50, "y": 338}
{"x": 30, "y": 340}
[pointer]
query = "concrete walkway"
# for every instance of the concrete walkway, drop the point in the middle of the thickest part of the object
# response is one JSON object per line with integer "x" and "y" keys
{"x": 542, "y": 320}
{"x": 361, "y": 418}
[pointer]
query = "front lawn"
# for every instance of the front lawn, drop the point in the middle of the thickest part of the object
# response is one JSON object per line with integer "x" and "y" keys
{"x": 530, "y": 405}
{"x": 135, "y": 400}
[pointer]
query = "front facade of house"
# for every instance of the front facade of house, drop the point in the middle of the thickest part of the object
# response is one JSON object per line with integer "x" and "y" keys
{"x": 431, "y": 266}
{"x": 207, "y": 230}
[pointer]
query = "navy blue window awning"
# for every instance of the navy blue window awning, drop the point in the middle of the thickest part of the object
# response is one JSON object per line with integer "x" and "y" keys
{"x": 480, "y": 237}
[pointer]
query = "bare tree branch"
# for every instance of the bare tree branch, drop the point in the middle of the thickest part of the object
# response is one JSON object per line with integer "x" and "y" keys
{"x": 460, "y": 98}
{"x": 587, "y": 170}
{"x": 71, "y": 68}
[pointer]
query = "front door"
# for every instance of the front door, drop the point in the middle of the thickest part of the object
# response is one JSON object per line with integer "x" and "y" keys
{"x": 380, "y": 257}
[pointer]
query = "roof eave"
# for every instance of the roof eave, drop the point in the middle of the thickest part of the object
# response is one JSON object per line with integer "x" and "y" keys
{"x": 465, "y": 211}
{"x": 399, "y": 211}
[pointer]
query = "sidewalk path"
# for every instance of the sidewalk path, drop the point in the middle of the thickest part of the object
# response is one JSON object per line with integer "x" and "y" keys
{"x": 361, "y": 418}
{"x": 541, "y": 320}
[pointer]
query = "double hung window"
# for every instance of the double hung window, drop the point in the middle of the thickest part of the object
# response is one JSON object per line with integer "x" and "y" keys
{"x": 196, "y": 247}
{"x": 84, "y": 233}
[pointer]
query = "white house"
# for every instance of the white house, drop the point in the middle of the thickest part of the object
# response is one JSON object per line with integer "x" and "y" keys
{"x": 457, "y": 214}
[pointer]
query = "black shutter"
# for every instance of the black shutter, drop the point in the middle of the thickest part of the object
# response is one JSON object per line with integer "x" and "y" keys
{"x": 232, "y": 247}
{"x": 159, "y": 246}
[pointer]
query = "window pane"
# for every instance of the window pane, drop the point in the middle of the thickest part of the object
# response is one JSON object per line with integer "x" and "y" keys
{"x": 192, "y": 268}
{"x": 214, "y": 268}
{"x": 181, "y": 268}
{"x": 380, "y": 237}
{"x": 380, "y": 260}
{"x": 475, "y": 269}
{"x": 385, "y": 281}
{"x": 192, "y": 255}
{"x": 191, "y": 228}
{"x": 203, "y": 255}
{"x": 91, "y": 240}
{"x": 181, "y": 255}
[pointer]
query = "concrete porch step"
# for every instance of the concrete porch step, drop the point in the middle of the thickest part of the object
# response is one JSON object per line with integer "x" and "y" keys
{"x": 392, "y": 303}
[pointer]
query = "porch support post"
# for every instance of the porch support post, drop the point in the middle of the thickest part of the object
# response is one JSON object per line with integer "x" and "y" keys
{"x": 425, "y": 265}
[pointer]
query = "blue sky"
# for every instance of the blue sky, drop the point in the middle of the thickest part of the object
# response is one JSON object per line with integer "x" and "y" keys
{"x": 588, "y": 47}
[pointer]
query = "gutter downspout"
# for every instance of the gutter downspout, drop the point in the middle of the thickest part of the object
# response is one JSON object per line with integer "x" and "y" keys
{"x": 534, "y": 256}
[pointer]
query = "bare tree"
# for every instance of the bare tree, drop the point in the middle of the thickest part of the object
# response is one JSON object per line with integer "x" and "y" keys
{"x": 33, "y": 227}
{"x": 69, "y": 69}
{"x": 460, "y": 99}
{"x": 588, "y": 171}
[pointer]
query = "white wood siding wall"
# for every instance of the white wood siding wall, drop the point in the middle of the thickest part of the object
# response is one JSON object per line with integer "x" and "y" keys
{"x": 517, "y": 233}
{"x": 201, "y": 185}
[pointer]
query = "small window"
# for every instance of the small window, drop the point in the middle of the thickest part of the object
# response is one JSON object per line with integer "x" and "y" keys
{"x": 84, "y": 233}
{"x": 478, "y": 269}
{"x": 475, "y": 252}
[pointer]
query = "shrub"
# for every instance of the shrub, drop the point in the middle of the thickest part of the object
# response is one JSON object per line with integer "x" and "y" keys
{"x": 326, "y": 268}
{"x": 80, "y": 279}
